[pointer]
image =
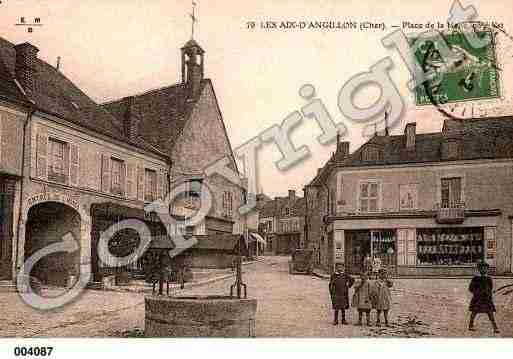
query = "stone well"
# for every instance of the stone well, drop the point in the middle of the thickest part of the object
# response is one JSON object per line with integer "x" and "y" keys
{"x": 207, "y": 316}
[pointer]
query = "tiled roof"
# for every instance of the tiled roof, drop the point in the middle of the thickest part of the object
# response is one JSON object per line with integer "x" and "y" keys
{"x": 274, "y": 208}
{"x": 162, "y": 113}
{"x": 299, "y": 208}
{"x": 56, "y": 95}
{"x": 9, "y": 90}
{"x": 270, "y": 209}
{"x": 481, "y": 138}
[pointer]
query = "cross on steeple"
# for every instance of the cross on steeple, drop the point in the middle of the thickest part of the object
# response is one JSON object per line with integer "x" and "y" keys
{"x": 193, "y": 18}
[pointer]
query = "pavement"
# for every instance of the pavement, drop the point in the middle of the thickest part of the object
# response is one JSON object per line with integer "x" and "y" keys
{"x": 288, "y": 306}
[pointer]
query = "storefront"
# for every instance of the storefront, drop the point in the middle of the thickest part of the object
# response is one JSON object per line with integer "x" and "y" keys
{"x": 420, "y": 246}
{"x": 377, "y": 243}
{"x": 105, "y": 215}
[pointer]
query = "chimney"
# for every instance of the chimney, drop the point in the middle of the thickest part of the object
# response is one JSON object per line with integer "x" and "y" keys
{"x": 343, "y": 149}
{"x": 130, "y": 121}
{"x": 25, "y": 69}
{"x": 292, "y": 193}
{"x": 410, "y": 131}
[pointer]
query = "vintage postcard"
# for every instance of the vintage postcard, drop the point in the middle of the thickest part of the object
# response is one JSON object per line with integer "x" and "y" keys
{"x": 262, "y": 169}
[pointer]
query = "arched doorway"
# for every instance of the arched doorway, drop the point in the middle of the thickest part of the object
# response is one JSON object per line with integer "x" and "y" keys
{"x": 48, "y": 223}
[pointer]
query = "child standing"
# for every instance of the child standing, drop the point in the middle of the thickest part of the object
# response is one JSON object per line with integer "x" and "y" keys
{"x": 340, "y": 282}
{"x": 361, "y": 298}
{"x": 380, "y": 296}
{"x": 481, "y": 288}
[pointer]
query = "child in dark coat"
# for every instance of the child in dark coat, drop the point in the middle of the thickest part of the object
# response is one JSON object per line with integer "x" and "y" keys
{"x": 340, "y": 282}
{"x": 481, "y": 288}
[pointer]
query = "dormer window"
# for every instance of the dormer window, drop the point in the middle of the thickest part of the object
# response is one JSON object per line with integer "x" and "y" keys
{"x": 371, "y": 154}
{"x": 450, "y": 149}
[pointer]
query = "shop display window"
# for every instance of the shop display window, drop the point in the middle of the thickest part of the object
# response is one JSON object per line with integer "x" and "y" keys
{"x": 450, "y": 246}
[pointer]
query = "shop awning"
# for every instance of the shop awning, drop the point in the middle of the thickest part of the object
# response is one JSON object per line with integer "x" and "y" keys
{"x": 255, "y": 237}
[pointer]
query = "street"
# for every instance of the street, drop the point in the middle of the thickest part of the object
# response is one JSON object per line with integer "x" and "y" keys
{"x": 288, "y": 306}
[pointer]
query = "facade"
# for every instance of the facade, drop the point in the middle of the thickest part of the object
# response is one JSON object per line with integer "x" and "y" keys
{"x": 424, "y": 204}
{"x": 282, "y": 223}
{"x": 69, "y": 166}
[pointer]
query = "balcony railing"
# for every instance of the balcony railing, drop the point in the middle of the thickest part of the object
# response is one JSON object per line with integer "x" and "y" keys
{"x": 450, "y": 213}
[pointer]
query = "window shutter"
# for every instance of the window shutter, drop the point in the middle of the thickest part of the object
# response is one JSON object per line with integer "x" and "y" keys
{"x": 412, "y": 247}
{"x": 74, "y": 164}
{"x": 105, "y": 173}
{"x": 123, "y": 179}
{"x": 340, "y": 193}
{"x": 490, "y": 245}
{"x": 140, "y": 183}
{"x": 42, "y": 155}
{"x": 131, "y": 191}
{"x": 402, "y": 235}
{"x": 161, "y": 185}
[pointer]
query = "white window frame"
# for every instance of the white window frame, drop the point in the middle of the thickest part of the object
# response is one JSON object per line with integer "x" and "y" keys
{"x": 378, "y": 197}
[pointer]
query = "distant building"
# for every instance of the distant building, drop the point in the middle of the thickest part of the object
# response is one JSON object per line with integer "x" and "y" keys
{"x": 282, "y": 223}
{"x": 425, "y": 204}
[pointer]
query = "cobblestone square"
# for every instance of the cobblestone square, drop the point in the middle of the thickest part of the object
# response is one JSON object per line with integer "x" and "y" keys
{"x": 288, "y": 306}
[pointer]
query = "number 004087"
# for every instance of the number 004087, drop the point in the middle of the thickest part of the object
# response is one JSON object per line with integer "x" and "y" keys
{"x": 33, "y": 351}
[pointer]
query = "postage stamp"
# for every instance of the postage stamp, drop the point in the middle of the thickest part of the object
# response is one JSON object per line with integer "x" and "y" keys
{"x": 467, "y": 74}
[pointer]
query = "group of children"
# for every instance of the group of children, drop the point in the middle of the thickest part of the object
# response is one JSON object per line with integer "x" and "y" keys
{"x": 368, "y": 295}
{"x": 375, "y": 294}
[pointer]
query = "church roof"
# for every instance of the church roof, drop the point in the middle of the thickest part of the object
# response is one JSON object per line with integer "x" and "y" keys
{"x": 162, "y": 112}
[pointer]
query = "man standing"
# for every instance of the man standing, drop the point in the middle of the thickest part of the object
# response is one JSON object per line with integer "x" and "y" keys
{"x": 340, "y": 282}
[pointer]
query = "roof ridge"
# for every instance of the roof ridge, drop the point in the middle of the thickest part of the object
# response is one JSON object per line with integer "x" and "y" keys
{"x": 144, "y": 93}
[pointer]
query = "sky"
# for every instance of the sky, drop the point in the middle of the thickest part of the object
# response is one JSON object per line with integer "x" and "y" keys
{"x": 114, "y": 48}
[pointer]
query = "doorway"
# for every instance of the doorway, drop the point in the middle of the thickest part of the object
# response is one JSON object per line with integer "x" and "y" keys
{"x": 48, "y": 223}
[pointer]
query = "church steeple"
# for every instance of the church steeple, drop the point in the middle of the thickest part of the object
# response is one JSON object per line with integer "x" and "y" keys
{"x": 192, "y": 62}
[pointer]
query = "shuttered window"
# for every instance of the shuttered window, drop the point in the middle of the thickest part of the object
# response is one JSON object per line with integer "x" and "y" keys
{"x": 105, "y": 173}
{"x": 150, "y": 185}
{"x": 451, "y": 192}
{"x": 131, "y": 190}
{"x": 227, "y": 204}
{"x": 74, "y": 165}
{"x": 117, "y": 176}
{"x": 41, "y": 155}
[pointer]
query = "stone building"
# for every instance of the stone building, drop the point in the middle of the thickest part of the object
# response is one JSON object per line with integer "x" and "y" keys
{"x": 71, "y": 166}
{"x": 282, "y": 223}
{"x": 424, "y": 204}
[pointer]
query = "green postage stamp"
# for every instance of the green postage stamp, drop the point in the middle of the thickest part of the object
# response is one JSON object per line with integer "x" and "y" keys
{"x": 468, "y": 73}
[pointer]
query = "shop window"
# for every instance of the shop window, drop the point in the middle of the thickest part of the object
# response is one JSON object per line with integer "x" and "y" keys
{"x": 150, "y": 185}
{"x": 451, "y": 192}
{"x": 450, "y": 246}
{"x": 117, "y": 176}
{"x": 58, "y": 166}
{"x": 369, "y": 197}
